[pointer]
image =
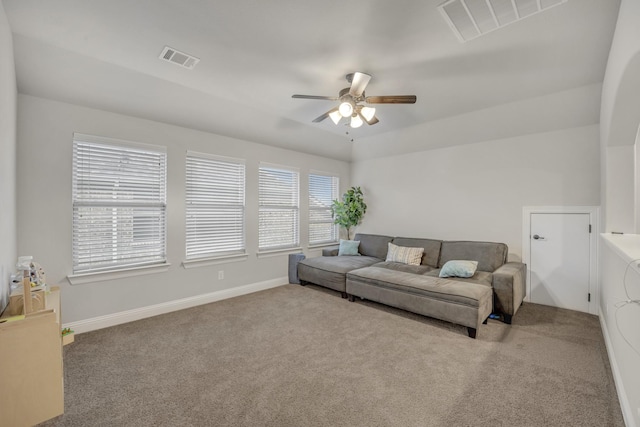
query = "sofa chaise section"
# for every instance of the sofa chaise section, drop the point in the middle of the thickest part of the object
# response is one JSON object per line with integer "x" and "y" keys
{"x": 508, "y": 279}
{"x": 464, "y": 303}
{"x": 331, "y": 271}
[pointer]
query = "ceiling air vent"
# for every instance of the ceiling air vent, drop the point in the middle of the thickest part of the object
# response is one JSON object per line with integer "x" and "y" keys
{"x": 472, "y": 18}
{"x": 175, "y": 56}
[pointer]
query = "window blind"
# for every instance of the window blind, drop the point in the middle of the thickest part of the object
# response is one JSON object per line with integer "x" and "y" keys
{"x": 323, "y": 189}
{"x": 278, "y": 214}
{"x": 119, "y": 206}
{"x": 215, "y": 206}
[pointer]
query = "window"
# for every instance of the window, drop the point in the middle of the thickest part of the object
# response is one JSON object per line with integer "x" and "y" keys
{"x": 119, "y": 204}
{"x": 215, "y": 206}
{"x": 278, "y": 216}
{"x": 323, "y": 190}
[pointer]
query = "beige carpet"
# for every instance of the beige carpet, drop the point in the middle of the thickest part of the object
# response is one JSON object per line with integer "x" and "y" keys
{"x": 302, "y": 356}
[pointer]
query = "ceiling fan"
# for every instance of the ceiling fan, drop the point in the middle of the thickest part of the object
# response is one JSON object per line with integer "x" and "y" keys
{"x": 352, "y": 99}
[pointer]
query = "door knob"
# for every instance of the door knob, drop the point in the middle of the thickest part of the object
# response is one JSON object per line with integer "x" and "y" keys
{"x": 536, "y": 237}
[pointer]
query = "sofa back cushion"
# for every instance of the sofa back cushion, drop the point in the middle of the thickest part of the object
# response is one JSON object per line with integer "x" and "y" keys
{"x": 373, "y": 245}
{"x": 489, "y": 255}
{"x": 431, "y": 248}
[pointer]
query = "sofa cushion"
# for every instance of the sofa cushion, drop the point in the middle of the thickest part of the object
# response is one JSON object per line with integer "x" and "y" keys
{"x": 415, "y": 269}
{"x": 459, "y": 268}
{"x": 373, "y": 245}
{"x": 348, "y": 247}
{"x": 431, "y": 248}
{"x": 489, "y": 255}
{"x": 331, "y": 271}
{"x": 404, "y": 254}
{"x": 480, "y": 277}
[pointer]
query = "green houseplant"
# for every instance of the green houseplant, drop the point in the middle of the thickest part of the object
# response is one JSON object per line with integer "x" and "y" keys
{"x": 349, "y": 212}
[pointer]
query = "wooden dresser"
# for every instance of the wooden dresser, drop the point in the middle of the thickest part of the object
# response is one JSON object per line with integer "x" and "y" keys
{"x": 31, "y": 372}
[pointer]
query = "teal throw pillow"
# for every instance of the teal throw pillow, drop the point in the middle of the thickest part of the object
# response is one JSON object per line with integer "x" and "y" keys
{"x": 459, "y": 268}
{"x": 348, "y": 247}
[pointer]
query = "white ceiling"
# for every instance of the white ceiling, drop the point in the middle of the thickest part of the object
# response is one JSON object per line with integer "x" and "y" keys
{"x": 254, "y": 54}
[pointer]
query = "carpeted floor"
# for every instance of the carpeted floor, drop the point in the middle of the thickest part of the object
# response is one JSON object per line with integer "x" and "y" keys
{"x": 302, "y": 356}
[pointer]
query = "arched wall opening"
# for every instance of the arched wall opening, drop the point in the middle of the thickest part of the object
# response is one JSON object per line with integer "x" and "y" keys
{"x": 622, "y": 193}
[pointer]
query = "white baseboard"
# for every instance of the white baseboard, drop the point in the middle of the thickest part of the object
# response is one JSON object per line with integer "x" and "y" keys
{"x": 627, "y": 412}
{"x": 114, "y": 319}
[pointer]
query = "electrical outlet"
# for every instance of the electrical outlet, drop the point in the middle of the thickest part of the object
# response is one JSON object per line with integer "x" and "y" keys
{"x": 220, "y": 274}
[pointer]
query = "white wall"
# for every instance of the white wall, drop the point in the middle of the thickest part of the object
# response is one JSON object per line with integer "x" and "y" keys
{"x": 620, "y": 117}
{"x": 8, "y": 93}
{"x": 477, "y": 191}
{"x": 619, "y": 188}
{"x": 45, "y": 131}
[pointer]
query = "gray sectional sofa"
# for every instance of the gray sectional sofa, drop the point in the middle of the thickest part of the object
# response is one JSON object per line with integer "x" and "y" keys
{"x": 497, "y": 286}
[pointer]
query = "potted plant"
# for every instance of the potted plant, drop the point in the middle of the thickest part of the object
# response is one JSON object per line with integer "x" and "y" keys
{"x": 349, "y": 212}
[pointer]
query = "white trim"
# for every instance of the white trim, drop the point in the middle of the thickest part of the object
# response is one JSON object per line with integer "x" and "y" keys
{"x": 203, "y": 262}
{"x": 93, "y": 139}
{"x": 623, "y": 397}
{"x": 324, "y": 245}
{"x": 268, "y": 165}
{"x": 323, "y": 173}
{"x": 276, "y": 252}
{"x": 216, "y": 157}
{"x": 101, "y": 276}
{"x": 593, "y": 212}
{"x": 114, "y": 319}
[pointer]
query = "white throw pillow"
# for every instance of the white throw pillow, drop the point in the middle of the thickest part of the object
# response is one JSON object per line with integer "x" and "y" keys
{"x": 405, "y": 255}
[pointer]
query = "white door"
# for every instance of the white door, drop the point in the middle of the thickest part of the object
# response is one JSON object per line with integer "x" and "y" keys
{"x": 560, "y": 257}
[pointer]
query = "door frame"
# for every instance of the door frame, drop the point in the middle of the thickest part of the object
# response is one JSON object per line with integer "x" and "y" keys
{"x": 594, "y": 215}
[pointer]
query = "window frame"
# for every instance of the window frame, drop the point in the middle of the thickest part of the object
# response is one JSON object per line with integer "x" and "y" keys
{"x": 143, "y": 200}
{"x": 335, "y": 191}
{"x": 264, "y": 207}
{"x": 226, "y": 162}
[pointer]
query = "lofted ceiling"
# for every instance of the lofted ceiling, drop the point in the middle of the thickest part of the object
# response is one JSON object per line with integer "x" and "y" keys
{"x": 255, "y": 54}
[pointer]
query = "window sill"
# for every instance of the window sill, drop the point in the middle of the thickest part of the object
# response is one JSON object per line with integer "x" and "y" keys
{"x": 203, "y": 262}
{"x": 102, "y": 276}
{"x": 323, "y": 245}
{"x": 277, "y": 252}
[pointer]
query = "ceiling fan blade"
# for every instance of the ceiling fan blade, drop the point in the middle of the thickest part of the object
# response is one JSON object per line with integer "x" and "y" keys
{"x": 324, "y": 116}
{"x": 326, "y": 98}
{"x": 391, "y": 99}
{"x": 358, "y": 83}
{"x": 373, "y": 120}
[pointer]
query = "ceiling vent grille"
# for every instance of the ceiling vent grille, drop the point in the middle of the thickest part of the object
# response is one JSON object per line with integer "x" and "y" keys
{"x": 473, "y": 18}
{"x": 180, "y": 58}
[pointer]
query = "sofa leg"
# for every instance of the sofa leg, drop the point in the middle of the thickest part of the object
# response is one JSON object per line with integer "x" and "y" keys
{"x": 303, "y": 283}
{"x": 507, "y": 318}
{"x": 485, "y": 321}
{"x": 343, "y": 294}
{"x": 351, "y": 298}
{"x": 471, "y": 332}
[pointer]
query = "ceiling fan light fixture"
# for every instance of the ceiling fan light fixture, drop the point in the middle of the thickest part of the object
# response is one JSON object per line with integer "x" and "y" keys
{"x": 346, "y": 109}
{"x": 356, "y": 121}
{"x": 335, "y": 116}
{"x": 368, "y": 113}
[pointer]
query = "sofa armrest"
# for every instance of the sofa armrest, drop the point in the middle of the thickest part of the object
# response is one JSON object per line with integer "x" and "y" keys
{"x": 331, "y": 251}
{"x": 509, "y": 287}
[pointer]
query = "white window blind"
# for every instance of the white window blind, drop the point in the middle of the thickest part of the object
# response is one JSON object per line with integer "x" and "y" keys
{"x": 119, "y": 205}
{"x": 278, "y": 216}
{"x": 323, "y": 189}
{"x": 215, "y": 206}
